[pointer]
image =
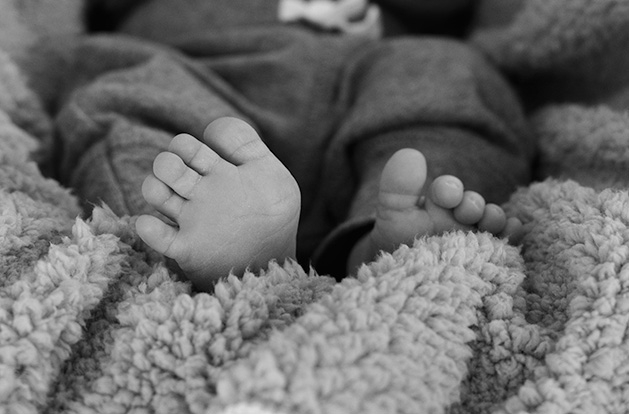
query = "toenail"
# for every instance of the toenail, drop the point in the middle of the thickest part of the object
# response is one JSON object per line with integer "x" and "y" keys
{"x": 453, "y": 182}
{"x": 476, "y": 199}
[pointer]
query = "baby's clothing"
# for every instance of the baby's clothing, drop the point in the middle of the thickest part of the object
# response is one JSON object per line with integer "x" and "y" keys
{"x": 353, "y": 17}
{"x": 333, "y": 108}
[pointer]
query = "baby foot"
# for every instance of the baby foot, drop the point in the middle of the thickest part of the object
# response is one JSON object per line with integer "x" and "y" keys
{"x": 233, "y": 204}
{"x": 406, "y": 210}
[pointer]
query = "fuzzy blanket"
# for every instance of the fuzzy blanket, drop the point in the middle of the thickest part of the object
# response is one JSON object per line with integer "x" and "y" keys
{"x": 92, "y": 322}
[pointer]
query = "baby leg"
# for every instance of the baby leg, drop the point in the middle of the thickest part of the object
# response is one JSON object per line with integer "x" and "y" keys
{"x": 232, "y": 203}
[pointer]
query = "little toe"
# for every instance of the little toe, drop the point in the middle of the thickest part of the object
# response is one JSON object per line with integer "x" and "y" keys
{"x": 161, "y": 197}
{"x": 514, "y": 230}
{"x": 157, "y": 234}
{"x": 402, "y": 180}
{"x": 447, "y": 191}
{"x": 194, "y": 153}
{"x": 172, "y": 171}
{"x": 235, "y": 140}
{"x": 494, "y": 219}
{"x": 471, "y": 209}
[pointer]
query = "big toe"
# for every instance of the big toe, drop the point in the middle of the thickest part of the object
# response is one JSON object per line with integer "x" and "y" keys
{"x": 402, "y": 180}
{"x": 235, "y": 140}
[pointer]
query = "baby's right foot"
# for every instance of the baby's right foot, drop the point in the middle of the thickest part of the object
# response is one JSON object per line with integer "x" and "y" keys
{"x": 407, "y": 210}
{"x": 233, "y": 203}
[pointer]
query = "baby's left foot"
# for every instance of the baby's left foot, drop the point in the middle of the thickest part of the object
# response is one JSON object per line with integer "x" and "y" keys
{"x": 409, "y": 207}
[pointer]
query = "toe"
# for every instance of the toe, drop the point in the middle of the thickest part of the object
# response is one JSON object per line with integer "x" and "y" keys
{"x": 194, "y": 153}
{"x": 514, "y": 230}
{"x": 447, "y": 191}
{"x": 471, "y": 208}
{"x": 494, "y": 219}
{"x": 235, "y": 141}
{"x": 157, "y": 234}
{"x": 172, "y": 171}
{"x": 402, "y": 180}
{"x": 162, "y": 198}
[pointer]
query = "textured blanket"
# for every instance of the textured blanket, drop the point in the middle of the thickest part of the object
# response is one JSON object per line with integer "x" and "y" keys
{"x": 93, "y": 322}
